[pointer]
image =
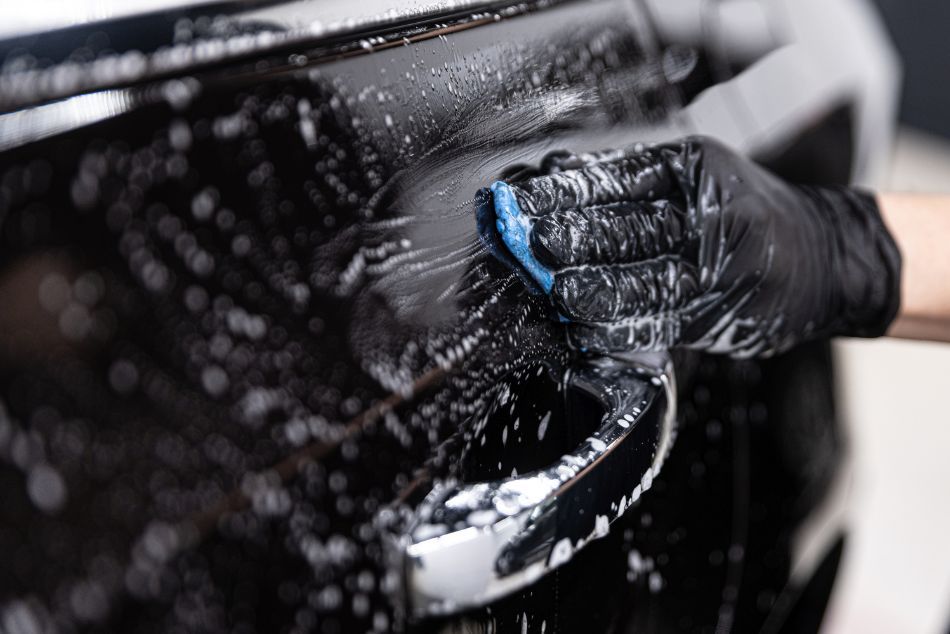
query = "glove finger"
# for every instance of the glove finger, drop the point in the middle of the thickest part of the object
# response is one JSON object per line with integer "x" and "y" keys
{"x": 562, "y": 161}
{"x": 612, "y": 293}
{"x": 637, "y": 177}
{"x": 554, "y": 162}
{"x": 611, "y": 234}
{"x": 650, "y": 333}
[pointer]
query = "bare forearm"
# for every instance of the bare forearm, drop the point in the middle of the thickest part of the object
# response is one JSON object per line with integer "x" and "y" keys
{"x": 920, "y": 225}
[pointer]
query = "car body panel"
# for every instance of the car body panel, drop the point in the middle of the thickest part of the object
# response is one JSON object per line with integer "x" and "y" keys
{"x": 252, "y": 319}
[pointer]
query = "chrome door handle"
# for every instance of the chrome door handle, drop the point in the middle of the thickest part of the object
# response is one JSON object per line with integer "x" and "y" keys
{"x": 469, "y": 544}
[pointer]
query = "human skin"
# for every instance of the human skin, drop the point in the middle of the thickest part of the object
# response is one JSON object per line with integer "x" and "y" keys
{"x": 920, "y": 224}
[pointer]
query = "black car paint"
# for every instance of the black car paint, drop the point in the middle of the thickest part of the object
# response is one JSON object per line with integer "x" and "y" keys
{"x": 380, "y": 162}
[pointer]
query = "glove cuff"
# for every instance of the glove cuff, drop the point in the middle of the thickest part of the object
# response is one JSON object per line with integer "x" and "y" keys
{"x": 868, "y": 263}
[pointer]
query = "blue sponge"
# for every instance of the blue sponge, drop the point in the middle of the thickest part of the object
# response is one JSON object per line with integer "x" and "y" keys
{"x": 515, "y": 229}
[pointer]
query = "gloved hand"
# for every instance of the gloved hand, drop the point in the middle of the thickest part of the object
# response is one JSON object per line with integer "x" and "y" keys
{"x": 692, "y": 245}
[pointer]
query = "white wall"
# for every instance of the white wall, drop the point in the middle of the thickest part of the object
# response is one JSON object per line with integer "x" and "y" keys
{"x": 895, "y": 396}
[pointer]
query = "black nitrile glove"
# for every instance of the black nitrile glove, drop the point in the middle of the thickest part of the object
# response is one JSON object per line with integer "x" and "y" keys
{"x": 692, "y": 245}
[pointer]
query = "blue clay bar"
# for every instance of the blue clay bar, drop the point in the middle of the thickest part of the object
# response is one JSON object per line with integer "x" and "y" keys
{"x": 515, "y": 229}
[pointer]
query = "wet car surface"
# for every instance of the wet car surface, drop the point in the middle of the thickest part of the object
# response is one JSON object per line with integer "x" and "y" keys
{"x": 249, "y": 323}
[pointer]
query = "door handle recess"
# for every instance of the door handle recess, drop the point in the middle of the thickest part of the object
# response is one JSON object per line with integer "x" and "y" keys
{"x": 468, "y": 544}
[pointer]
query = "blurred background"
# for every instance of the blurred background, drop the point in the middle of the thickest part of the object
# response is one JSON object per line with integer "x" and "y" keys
{"x": 896, "y": 575}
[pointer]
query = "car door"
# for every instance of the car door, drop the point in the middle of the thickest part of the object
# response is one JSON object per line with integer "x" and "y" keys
{"x": 256, "y": 338}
